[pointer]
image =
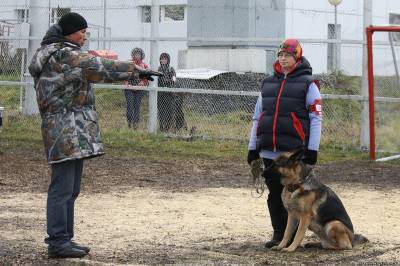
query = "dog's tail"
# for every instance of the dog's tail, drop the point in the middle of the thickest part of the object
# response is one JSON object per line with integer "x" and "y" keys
{"x": 359, "y": 239}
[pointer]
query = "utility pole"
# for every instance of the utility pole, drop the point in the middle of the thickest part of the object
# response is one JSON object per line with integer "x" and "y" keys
{"x": 336, "y": 67}
{"x": 155, "y": 22}
{"x": 39, "y": 21}
{"x": 364, "y": 134}
{"x": 155, "y": 14}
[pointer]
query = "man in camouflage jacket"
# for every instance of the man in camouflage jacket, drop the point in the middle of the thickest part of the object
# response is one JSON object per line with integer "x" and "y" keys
{"x": 63, "y": 75}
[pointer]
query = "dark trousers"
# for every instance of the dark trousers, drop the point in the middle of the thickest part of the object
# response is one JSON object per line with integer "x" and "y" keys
{"x": 180, "y": 121}
{"x": 63, "y": 190}
{"x": 165, "y": 110}
{"x": 133, "y": 102}
{"x": 276, "y": 209}
{"x": 170, "y": 113}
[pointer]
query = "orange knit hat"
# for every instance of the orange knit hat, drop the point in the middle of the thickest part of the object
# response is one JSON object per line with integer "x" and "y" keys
{"x": 291, "y": 46}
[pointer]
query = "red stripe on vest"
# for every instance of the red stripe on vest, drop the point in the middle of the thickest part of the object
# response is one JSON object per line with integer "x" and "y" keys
{"x": 297, "y": 126}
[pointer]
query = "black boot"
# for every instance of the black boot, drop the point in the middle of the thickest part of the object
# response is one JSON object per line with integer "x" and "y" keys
{"x": 66, "y": 252}
{"x": 276, "y": 239}
{"x": 81, "y": 247}
{"x": 277, "y": 211}
{"x": 278, "y": 217}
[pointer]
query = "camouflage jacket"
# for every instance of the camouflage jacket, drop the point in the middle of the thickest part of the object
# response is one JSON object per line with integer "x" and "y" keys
{"x": 63, "y": 76}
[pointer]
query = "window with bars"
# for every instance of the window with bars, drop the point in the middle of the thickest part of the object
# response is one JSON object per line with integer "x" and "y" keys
{"x": 172, "y": 13}
{"x": 22, "y": 14}
{"x": 146, "y": 14}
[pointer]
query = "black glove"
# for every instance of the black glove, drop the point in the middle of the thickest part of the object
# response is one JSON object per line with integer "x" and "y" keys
{"x": 310, "y": 157}
{"x": 147, "y": 74}
{"x": 252, "y": 155}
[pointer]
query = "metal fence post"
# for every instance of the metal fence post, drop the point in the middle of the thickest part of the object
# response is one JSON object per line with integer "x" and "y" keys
{"x": 39, "y": 23}
{"x": 104, "y": 23}
{"x": 364, "y": 134}
{"x": 155, "y": 14}
{"x": 153, "y": 110}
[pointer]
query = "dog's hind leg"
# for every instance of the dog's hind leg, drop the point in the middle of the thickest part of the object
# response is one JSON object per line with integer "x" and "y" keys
{"x": 338, "y": 235}
{"x": 305, "y": 221}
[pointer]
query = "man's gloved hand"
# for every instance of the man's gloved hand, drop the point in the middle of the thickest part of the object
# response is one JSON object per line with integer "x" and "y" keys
{"x": 252, "y": 155}
{"x": 310, "y": 157}
{"x": 148, "y": 73}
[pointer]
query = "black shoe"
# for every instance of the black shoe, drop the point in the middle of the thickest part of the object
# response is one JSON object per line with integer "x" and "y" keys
{"x": 77, "y": 246}
{"x": 66, "y": 252}
{"x": 272, "y": 243}
{"x": 276, "y": 239}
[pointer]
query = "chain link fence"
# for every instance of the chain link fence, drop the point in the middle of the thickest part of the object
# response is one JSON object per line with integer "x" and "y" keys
{"x": 218, "y": 106}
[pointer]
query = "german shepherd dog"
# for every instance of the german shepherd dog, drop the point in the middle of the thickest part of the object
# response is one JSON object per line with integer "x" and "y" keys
{"x": 311, "y": 204}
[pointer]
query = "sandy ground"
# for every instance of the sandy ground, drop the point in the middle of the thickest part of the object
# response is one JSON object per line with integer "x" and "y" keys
{"x": 146, "y": 221}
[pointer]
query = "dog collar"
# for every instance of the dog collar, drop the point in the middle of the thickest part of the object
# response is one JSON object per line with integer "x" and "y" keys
{"x": 293, "y": 187}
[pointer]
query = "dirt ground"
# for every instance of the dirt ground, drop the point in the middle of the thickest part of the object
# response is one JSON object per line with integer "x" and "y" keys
{"x": 197, "y": 212}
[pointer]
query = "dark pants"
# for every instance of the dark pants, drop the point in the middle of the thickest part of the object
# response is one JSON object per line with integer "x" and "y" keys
{"x": 133, "y": 102}
{"x": 180, "y": 121}
{"x": 63, "y": 190}
{"x": 165, "y": 110}
{"x": 276, "y": 209}
{"x": 170, "y": 113}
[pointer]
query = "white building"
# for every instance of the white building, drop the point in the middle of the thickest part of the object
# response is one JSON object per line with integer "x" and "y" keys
{"x": 127, "y": 22}
{"x": 312, "y": 21}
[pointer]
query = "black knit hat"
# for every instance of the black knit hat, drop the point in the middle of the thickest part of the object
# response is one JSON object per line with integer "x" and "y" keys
{"x": 72, "y": 22}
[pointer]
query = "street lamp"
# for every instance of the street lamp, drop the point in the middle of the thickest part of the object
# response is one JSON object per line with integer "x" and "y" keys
{"x": 335, "y": 3}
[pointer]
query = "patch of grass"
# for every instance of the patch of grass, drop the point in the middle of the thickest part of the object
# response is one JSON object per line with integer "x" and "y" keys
{"x": 134, "y": 144}
{"x": 10, "y": 77}
{"x": 329, "y": 154}
{"x": 340, "y": 84}
{"x": 10, "y": 97}
{"x": 340, "y": 138}
{"x": 22, "y": 134}
{"x": 21, "y": 141}
{"x": 130, "y": 144}
{"x": 394, "y": 162}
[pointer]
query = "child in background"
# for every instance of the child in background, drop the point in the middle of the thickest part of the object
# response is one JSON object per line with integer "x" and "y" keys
{"x": 134, "y": 97}
{"x": 166, "y": 100}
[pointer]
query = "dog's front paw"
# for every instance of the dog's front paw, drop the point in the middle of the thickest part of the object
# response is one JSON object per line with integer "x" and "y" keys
{"x": 276, "y": 248}
{"x": 289, "y": 249}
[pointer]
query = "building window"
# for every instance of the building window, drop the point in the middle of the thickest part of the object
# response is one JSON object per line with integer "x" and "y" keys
{"x": 56, "y": 13}
{"x": 22, "y": 15}
{"x": 172, "y": 13}
{"x": 146, "y": 14}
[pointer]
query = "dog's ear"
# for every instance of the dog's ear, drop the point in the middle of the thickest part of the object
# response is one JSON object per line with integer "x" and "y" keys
{"x": 297, "y": 154}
